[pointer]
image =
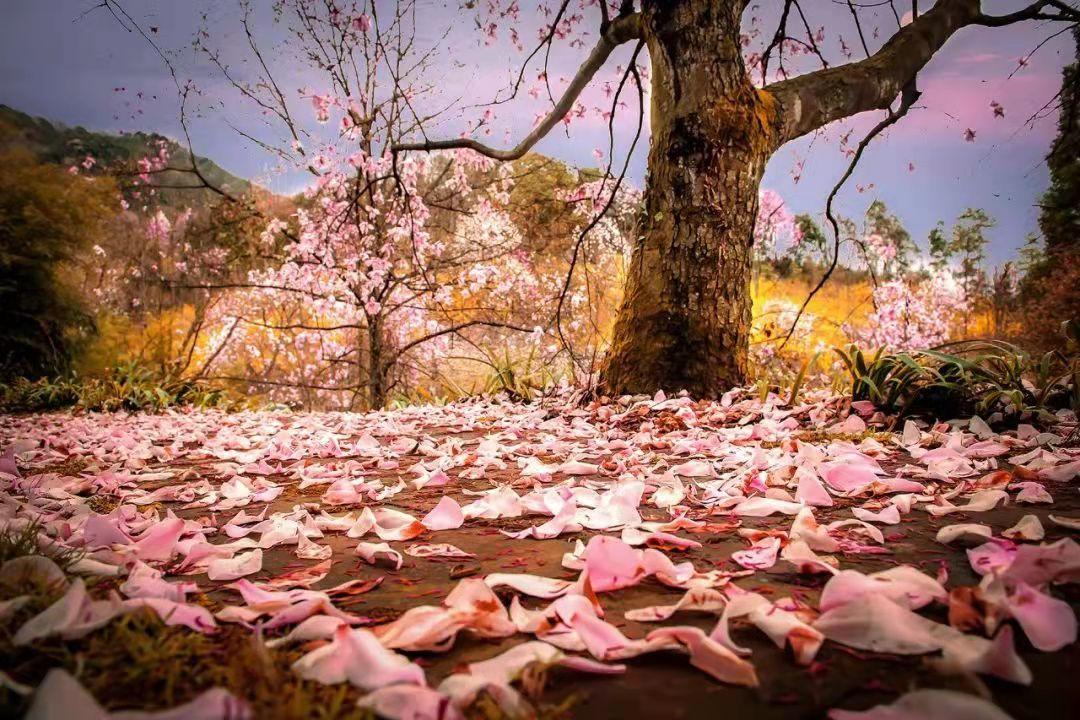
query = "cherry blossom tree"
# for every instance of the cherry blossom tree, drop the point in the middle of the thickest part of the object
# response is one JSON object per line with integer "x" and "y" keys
{"x": 913, "y": 313}
{"x": 387, "y": 261}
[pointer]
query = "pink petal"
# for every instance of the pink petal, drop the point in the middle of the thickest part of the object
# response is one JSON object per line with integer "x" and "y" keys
{"x": 928, "y": 705}
{"x": 446, "y": 515}
{"x": 410, "y": 702}
{"x": 356, "y": 656}
{"x": 235, "y": 567}
{"x": 436, "y": 550}
{"x": 1049, "y": 623}
{"x": 370, "y": 551}
{"x": 709, "y": 656}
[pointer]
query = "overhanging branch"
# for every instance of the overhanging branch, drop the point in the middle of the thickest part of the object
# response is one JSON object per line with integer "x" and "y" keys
{"x": 622, "y": 29}
{"x": 815, "y": 99}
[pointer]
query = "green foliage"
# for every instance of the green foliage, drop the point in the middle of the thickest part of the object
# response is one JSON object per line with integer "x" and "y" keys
{"x": 520, "y": 378}
{"x": 940, "y": 251}
{"x": 890, "y": 381}
{"x": 127, "y": 386}
{"x": 968, "y": 377}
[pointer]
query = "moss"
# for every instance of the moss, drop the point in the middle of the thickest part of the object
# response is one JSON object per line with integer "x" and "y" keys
{"x": 102, "y": 504}
{"x": 137, "y": 662}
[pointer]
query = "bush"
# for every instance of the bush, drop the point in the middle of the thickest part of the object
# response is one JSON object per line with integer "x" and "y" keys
{"x": 127, "y": 386}
{"x": 48, "y": 220}
{"x": 968, "y": 377}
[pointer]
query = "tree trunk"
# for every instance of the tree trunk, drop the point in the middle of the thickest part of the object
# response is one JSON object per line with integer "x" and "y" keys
{"x": 685, "y": 318}
{"x": 378, "y": 370}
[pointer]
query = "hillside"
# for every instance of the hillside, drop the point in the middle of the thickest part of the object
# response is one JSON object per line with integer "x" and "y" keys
{"x": 54, "y": 142}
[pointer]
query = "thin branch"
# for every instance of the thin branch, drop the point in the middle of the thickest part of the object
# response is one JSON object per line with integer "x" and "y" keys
{"x": 908, "y": 98}
{"x": 621, "y": 30}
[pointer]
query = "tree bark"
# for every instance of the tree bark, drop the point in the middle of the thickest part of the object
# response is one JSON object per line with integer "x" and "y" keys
{"x": 685, "y": 318}
{"x": 378, "y": 365}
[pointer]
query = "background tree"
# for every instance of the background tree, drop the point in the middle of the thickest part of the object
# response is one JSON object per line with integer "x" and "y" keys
{"x": 1060, "y": 216}
{"x": 968, "y": 246}
{"x": 1050, "y": 290}
{"x": 49, "y": 220}
{"x": 895, "y": 249}
{"x": 940, "y": 249}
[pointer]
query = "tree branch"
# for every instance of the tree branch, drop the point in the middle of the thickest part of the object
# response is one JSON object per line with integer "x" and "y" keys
{"x": 620, "y": 30}
{"x": 908, "y": 98}
{"x": 811, "y": 101}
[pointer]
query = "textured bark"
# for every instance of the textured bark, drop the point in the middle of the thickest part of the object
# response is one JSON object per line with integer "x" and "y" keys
{"x": 810, "y": 101}
{"x": 685, "y": 318}
{"x": 378, "y": 366}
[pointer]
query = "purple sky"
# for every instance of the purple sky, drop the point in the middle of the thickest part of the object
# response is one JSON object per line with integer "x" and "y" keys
{"x": 63, "y": 69}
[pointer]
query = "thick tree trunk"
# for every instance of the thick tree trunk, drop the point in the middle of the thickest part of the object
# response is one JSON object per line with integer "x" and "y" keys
{"x": 685, "y": 318}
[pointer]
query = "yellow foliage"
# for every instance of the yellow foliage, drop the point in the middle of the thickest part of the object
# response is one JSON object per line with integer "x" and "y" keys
{"x": 835, "y": 305}
{"x": 160, "y": 339}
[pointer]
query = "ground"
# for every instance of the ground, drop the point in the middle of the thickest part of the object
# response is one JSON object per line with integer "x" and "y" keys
{"x": 81, "y": 464}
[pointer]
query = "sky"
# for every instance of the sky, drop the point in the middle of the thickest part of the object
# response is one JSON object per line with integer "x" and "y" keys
{"x": 66, "y": 61}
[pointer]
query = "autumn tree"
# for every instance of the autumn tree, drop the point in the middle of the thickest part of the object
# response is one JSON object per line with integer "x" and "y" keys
{"x": 685, "y": 318}
{"x": 49, "y": 219}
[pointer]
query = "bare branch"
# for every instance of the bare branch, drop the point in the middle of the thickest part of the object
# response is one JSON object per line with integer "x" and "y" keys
{"x": 620, "y": 30}
{"x": 908, "y": 98}
{"x": 818, "y": 98}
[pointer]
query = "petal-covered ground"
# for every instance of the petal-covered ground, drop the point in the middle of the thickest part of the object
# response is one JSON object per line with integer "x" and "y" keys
{"x": 653, "y": 557}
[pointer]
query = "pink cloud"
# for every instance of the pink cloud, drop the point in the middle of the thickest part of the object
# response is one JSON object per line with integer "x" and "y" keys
{"x": 977, "y": 58}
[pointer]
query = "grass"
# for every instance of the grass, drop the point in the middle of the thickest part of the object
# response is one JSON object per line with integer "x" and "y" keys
{"x": 137, "y": 661}
{"x": 17, "y": 543}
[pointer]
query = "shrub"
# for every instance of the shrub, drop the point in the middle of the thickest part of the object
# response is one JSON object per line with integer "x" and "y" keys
{"x": 127, "y": 386}
{"x": 968, "y": 377}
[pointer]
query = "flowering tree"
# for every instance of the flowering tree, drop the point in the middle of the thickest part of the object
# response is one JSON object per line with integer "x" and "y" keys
{"x": 685, "y": 318}
{"x": 911, "y": 314}
{"x": 374, "y": 291}
{"x": 388, "y": 260}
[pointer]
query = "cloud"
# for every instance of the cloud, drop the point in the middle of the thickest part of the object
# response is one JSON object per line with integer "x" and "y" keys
{"x": 976, "y": 58}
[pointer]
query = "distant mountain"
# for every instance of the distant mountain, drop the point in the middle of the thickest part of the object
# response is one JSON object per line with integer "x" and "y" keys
{"x": 54, "y": 142}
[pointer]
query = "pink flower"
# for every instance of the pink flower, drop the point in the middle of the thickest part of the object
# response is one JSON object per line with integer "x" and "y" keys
{"x": 361, "y": 23}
